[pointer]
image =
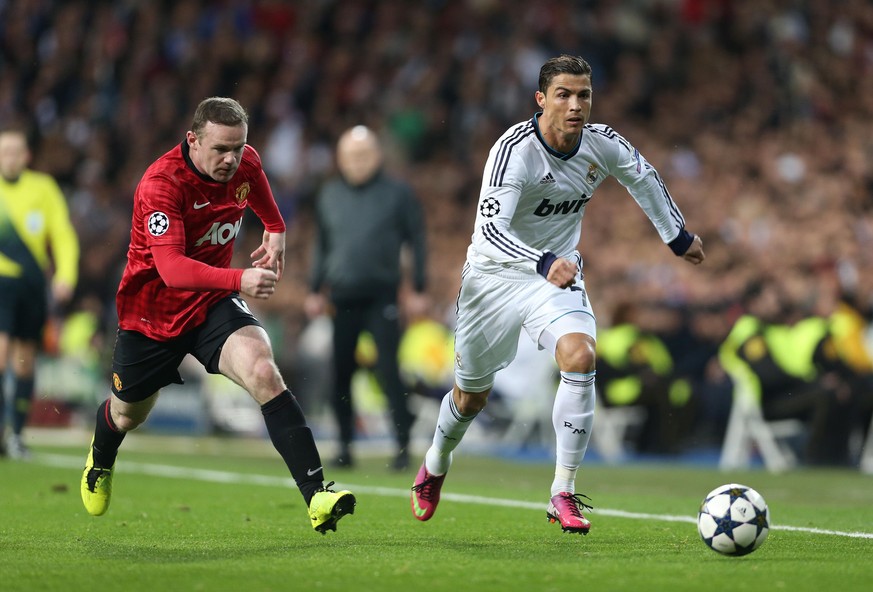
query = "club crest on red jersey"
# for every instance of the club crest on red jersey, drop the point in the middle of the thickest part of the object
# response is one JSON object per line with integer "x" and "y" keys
{"x": 242, "y": 193}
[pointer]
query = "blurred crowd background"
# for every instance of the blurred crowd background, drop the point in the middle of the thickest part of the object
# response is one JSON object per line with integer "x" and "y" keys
{"x": 758, "y": 114}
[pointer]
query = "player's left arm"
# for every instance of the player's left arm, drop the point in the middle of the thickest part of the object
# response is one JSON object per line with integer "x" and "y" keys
{"x": 695, "y": 254}
{"x": 158, "y": 213}
{"x": 271, "y": 252}
{"x": 647, "y": 188}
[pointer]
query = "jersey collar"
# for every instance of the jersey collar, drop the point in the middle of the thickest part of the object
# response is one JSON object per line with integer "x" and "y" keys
{"x": 549, "y": 149}
{"x": 187, "y": 156}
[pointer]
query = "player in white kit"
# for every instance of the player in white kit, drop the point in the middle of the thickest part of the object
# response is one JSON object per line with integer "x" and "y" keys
{"x": 523, "y": 272}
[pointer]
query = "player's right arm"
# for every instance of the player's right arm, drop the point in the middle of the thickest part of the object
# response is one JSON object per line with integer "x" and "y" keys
{"x": 181, "y": 272}
{"x": 158, "y": 213}
{"x": 258, "y": 282}
{"x": 503, "y": 181}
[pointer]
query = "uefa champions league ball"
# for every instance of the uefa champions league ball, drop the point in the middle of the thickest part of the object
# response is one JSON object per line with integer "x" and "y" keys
{"x": 733, "y": 519}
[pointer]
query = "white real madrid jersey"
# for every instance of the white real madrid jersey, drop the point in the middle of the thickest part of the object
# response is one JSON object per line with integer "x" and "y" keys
{"x": 533, "y": 198}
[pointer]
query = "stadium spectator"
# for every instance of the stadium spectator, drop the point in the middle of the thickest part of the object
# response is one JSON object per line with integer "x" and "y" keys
{"x": 36, "y": 239}
{"x": 178, "y": 296}
{"x": 365, "y": 219}
{"x": 523, "y": 272}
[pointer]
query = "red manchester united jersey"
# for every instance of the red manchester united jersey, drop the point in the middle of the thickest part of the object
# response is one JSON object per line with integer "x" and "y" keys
{"x": 175, "y": 205}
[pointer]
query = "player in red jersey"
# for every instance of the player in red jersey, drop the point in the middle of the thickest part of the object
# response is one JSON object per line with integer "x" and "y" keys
{"x": 179, "y": 296}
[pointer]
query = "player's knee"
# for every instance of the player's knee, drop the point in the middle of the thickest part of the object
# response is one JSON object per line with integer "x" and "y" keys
{"x": 578, "y": 356}
{"x": 469, "y": 404}
{"x": 126, "y": 423}
{"x": 264, "y": 377}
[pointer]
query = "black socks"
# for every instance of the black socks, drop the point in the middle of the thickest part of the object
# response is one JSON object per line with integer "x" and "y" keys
{"x": 294, "y": 442}
{"x": 107, "y": 438}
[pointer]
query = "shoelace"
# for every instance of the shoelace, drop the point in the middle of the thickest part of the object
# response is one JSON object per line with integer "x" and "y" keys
{"x": 94, "y": 475}
{"x": 577, "y": 504}
{"x": 425, "y": 488}
{"x": 326, "y": 488}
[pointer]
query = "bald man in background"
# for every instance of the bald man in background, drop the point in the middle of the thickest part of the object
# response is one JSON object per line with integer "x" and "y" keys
{"x": 365, "y": 219}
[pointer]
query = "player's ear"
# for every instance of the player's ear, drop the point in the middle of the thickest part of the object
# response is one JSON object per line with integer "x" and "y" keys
{"x": 540, "y": 98}
{"x": 190, "y": 137}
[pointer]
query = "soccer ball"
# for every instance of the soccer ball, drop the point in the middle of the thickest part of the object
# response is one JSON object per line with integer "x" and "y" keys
{"x": 733, "y": 519}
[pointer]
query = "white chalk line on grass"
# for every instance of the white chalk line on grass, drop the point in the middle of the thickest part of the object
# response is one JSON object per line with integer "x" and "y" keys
{"x": 174, "y": 472}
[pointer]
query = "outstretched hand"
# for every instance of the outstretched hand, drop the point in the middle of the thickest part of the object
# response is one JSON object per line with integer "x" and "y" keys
{"x": 271, "y": 253}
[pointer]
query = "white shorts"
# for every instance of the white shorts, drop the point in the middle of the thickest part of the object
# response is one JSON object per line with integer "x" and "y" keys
{"x": 493, "y": 308}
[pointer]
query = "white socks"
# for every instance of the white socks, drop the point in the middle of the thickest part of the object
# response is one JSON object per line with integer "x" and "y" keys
{"x": 451, "y": 427}
{"x": 572, "y": 417}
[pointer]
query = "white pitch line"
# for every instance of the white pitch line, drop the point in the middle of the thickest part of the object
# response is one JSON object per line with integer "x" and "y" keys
{"x": 175, "y": 472}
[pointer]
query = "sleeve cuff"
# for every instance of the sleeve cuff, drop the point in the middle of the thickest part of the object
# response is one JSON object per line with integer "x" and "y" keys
{"x": 681, "y": 243}
{"x": 545, "y": 263}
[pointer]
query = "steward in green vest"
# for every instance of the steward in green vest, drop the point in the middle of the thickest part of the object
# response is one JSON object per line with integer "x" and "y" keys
{"x": 795, "y": 371}
{"x": 635, "y": 367}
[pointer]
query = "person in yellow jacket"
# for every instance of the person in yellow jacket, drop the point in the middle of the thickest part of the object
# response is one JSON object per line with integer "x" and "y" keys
{"x": 635, "y": 367}
{"x": 790, "y": 364}
{"x": 36, "y": 238}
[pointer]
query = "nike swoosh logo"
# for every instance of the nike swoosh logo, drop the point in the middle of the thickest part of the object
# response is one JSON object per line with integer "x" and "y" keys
{"x": 419, "y": 511}
{"x": 311, "y": 472}
{"x": 197, "y": 206}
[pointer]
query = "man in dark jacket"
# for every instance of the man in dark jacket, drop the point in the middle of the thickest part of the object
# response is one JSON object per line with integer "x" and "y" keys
{"x": 365, "y": 218}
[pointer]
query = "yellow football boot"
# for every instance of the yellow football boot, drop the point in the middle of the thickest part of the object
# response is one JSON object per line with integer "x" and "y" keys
{"x": 96, "y": 486}
{"x": 328, "y": 506}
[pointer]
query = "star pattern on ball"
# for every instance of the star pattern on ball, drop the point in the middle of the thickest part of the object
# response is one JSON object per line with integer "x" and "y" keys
{"x": 760, "y": 520}
{"x": 736, "y": 493}
{"x": 724, "y": 525}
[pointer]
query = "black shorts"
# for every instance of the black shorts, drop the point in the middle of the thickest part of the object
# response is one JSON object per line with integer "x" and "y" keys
{"x": 141, "y": 366}
{"x": 23, "y": 309}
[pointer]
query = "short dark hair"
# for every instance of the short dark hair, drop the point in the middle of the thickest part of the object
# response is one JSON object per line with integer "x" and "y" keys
{"x": 563, "y": 64}
{"x": 220, "y": 110}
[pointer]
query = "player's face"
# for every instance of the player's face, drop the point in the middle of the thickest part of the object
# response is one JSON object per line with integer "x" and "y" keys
{"x": 13, "y": 155}
{"x": 566, "y": 107}
{"x": 217, "y": 150}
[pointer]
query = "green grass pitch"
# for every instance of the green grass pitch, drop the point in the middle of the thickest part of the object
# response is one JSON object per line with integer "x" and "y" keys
{"x": 223, "y": 515}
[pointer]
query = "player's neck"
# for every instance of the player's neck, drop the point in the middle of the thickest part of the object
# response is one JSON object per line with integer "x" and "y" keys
{"x": 560, "y": 142}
